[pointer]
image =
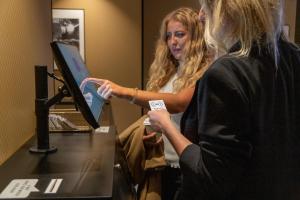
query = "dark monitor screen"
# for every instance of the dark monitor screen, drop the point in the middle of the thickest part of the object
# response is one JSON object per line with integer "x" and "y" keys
{"x": 74, "y": 71}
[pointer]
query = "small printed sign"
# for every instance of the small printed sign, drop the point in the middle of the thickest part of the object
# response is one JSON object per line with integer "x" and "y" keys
{"x": 102, "y": 129}
{"x": 53, "y": 186}
{"x": 19, "y": 188}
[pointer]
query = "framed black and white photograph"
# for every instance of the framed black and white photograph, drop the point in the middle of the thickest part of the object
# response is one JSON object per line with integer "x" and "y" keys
{"x": 68, "y": 27}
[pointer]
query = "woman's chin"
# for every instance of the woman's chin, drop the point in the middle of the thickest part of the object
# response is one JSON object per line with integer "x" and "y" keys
{"x": 177, "y": 56}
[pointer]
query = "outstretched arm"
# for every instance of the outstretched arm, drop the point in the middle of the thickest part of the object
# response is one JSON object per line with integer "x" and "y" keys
{"x": 174, "y": 102}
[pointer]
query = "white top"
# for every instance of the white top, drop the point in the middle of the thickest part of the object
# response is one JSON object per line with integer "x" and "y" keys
{"x": 171, "y": 156}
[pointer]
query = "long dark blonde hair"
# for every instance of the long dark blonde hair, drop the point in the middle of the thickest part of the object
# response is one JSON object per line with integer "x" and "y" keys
{"x": 196, "y": 56}
{"x": 249, "y": 21}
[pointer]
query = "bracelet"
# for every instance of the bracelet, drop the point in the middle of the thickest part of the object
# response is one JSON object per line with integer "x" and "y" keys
{"x": 135, "y": 93}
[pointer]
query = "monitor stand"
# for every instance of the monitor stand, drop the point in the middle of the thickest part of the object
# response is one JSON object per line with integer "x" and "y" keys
{"x": 42, "y": 105}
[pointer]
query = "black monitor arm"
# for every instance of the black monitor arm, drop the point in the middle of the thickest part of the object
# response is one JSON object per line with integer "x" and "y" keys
{"x": 42, "y": 105}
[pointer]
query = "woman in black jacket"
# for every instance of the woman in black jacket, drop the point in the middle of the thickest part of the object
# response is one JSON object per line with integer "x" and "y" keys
{"x": 240, "y": 135}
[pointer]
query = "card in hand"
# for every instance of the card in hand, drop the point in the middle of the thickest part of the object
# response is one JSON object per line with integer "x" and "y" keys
{"x": 157, "y": 105}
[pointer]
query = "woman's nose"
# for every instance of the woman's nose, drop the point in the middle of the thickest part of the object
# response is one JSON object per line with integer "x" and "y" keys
{"x": 174, "y": 40}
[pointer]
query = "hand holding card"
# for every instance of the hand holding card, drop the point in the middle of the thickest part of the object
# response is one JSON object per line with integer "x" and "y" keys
{"x": 154, "y": 105}
{"x": 157, "y": 105}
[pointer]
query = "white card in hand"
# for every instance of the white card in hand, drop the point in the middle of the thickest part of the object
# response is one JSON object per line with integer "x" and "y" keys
{"x": 157, "y": 105}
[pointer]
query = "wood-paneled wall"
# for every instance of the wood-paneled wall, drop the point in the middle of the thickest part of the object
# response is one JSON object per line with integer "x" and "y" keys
{"x": 25, "y": 34}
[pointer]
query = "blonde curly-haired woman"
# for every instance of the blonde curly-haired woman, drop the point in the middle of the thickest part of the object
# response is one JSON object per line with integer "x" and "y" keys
{"x": 181, "y": 58}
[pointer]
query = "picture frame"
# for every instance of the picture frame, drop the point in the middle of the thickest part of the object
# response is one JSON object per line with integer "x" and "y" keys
{"x": 68, "y": 27}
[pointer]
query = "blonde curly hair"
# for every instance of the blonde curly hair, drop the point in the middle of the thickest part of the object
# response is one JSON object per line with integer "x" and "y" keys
{"x": 196, "y": 56}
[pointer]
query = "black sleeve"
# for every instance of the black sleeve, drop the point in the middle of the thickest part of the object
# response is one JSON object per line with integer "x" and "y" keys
{"x": 214, "y": 164}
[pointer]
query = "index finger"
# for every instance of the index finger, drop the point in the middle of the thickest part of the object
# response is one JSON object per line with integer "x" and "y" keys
{"x": 95, "y": 80}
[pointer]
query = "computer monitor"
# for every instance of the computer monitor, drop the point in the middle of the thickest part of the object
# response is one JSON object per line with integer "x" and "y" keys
{"x": 74, "y": 71}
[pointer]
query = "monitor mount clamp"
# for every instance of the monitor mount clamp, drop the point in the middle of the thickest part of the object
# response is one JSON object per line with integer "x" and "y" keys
{"x": 42, "y": 105}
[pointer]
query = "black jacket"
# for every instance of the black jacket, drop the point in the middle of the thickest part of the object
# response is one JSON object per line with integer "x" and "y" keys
{"x": 244, "y": 122}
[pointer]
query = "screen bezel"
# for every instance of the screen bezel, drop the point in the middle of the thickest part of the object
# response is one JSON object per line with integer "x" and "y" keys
{"x": 72, "y": 86}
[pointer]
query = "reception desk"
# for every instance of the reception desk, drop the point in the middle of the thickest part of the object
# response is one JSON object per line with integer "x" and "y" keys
{"x": 85, "y": 166}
